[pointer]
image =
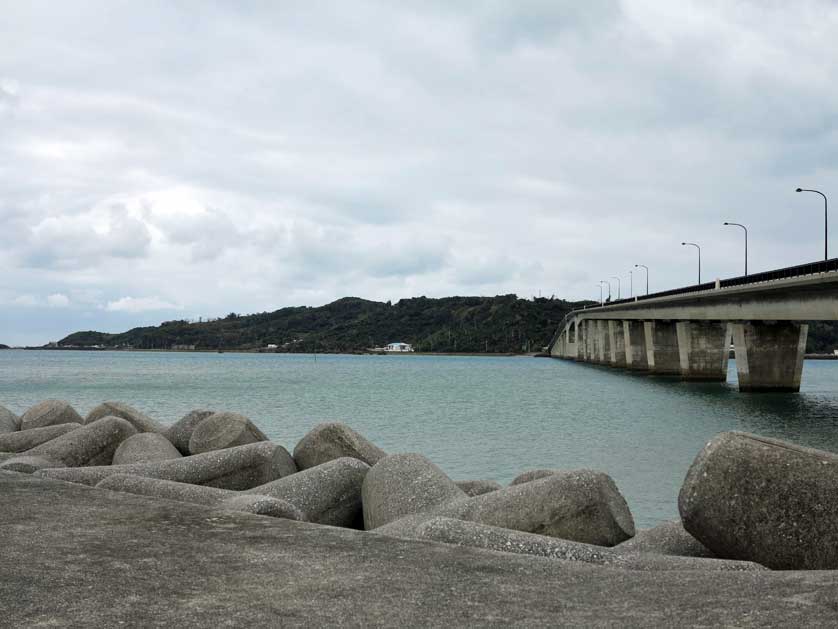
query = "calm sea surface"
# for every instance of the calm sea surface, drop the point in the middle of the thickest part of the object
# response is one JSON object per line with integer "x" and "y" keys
{"x": 476, "y": 417}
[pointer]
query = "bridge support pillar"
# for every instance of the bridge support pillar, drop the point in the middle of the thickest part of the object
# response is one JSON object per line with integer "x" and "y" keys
{"x": 604, "y": 349}
{"x": 634, "y": 333}
{"x": 662, "y": 348}
{"x": 589, "y": 341}
{"x": 703, "y": 350}
{"x": 769, "y": 354}
{"x": 617, "y": 340}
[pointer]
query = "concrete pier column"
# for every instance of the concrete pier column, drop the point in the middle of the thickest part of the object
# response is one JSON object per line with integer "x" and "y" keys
{"x": 618, "y": 343}
{"x": 769, "y": 354}
{"x": 604, "y": 353}
{"x": 634, "y": 333}
{"x": 703, "y": 350}
{"x": 662, "y": 348}
{"x": 589, "y": 340}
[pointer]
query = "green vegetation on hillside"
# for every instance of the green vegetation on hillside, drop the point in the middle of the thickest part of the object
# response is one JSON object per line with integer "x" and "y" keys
{"x": 452, "y": 324}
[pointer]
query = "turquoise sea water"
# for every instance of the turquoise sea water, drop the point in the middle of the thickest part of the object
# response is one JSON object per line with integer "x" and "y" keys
{"x": 476, "y": 417}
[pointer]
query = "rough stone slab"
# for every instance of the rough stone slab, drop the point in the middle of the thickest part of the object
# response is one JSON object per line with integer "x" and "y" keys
{"x": 49, "y": 413}
{"x": 478, "y": 487}
{"x": 530, "y": 475}
{"x": 181, "y": 431}
{"x": 9, "y": 422}
{"x": 224, "y": 430}
{"x": 667, "y": 538}
{"x": 329, "y": 441}
{"x": 238, "y": 468}
{"x": 145, "y": 447}
{"x": 140, "y": 421}
{"x": 193, "y": 566}
{"x": 764, "y": 500}
{"x": 24, "y": 440}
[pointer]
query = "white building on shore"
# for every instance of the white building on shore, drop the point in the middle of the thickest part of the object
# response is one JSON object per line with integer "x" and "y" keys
{"x": 398, "y": 347}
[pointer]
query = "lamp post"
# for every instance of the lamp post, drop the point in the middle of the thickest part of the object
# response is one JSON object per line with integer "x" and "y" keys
{"x": 825, "y": 232}
{"x": 631, "y": 285}
{"x": 746, "y": 244}
{"x": 614, "y": 277}
{"x": 609, "y": 287}
{"x": 692, "y": 244}
{"x": 600, "y": 293}
{"x": 647, "y": 275}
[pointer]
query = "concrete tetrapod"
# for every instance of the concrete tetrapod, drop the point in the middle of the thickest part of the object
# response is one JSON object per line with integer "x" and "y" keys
{"x": 334, "y": 440}
{"x": 224, "y": 430}
{"x": 145, "y": 447}
{"x": 49, "y": 413}
{"x": 9, "y": 422}
{"x": 24, "y": 440}
{"x": 530, "y": 475}
{"x": 181, "y": 431}
{"x": 140, "y": 421}
{"x": 478, "y": 487}
{"x": 93, "y": 444}
{"x": 764, "y": 500}
{"x": 237, "y": 468}
{"x": 667, "y": 538}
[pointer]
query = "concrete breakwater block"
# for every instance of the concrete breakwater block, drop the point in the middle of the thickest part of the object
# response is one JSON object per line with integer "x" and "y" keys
{"x": 26, "y": 464}
{"x": 667, "y": 538}
{"x": 181, "y": 431}
{"x": 764, "y": 500}
{"x": 9, "y": 422}
{"x": 531, "y": 475}
{"x": 224, "y": 430}
{"x": 140, "y": 421}
{"x": 334, "y": 440}
{"x": 23, "y": 440}
{"x": 145, "y": 447}
{"x": 405, "y": 484}
{"x": 237, "y": 468}
{"x": 93, "y": 444}
{"x": 478, "y": 487}
{"x": 263, "y": 505}
{"x": 49, "y": 413}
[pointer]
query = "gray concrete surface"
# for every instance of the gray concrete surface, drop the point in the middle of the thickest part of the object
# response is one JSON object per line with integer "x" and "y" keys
{"x": 117, "y": 559}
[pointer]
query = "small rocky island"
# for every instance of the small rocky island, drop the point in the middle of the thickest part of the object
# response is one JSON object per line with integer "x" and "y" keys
{"x": 750, "y": 506}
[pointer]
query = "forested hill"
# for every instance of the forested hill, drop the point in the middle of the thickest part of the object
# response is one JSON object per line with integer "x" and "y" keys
{"x": 452, "y": 324}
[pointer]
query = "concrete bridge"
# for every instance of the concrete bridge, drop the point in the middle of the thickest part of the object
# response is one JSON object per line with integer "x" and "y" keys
{"x": 686, "y": 332}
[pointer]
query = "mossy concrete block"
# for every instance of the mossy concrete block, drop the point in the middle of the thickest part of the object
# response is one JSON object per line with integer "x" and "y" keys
{"x": 531, "y": 475}
{"x": 145, "y": 447}
{"x": 23, "y": 440}
{"x": 764, "y": 500}
{"x": 49, "y": 413}
{"x": 667, "y": 538}
{"x": 9, "y": 422}
{"x": 328, "y": 441}
{"x": 478, "y": 487}
{"x": 181, "y": 431}
{"x": 405, "y": 484}
{"x": 140, "y": 421}
{"x": 224, "y": 430}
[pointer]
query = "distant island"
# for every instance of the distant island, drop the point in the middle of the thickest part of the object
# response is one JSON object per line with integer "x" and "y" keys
{"x": 4, "y": 346}
{"x": 502, "y": 324}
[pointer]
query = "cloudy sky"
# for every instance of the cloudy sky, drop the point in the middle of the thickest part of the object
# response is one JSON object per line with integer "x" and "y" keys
{"x": 164, "y": 160}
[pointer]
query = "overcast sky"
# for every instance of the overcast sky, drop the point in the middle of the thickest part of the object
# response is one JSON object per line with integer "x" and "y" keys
{"x": 164, "y": 160}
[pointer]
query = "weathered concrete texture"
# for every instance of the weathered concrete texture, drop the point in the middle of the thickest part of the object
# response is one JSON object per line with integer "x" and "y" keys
{"x": 224, "y": 430}
{"x": 764, "y": 500}
{"x": 92, "y": 444}
{"x": 405, "y": 484}
{"x": 145, "y": 447}
{"x": 769, "y": 355}
{"x": 531, "y": 475}
{"x": 115, "y": 559}
{"x": 703, "y": 350}
{"x": 49, "y": 413}
{"x": 140, "y": 421}
{"x": 329, "y": 441}
{"x": 243, "y": 467}
{"x": 23, "y": 440}
{"x": 662, "y": 353}
{"x": 635, "y": 341}
{"x": 478, "y": 487}
{"x": 618, "y": 343}
{"x": 181, "y": 431}
{"x": 667, "y": 538}
{"x": 263, "y": 505}
{"x": 27, "y": 464}
{"x": 9, "y": 422}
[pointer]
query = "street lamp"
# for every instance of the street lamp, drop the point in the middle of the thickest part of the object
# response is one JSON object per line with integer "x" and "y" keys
{"x": 825, "y": 232}
{"x": 746, "y": 244}
{"x": 647, "y": 275}
{"x": 614, "y": 277}
{"x": 631, "y": 285}
{"x": 600, "y": 293}
{"x": 609, "y": 287}
{"x": 692, "y": 244}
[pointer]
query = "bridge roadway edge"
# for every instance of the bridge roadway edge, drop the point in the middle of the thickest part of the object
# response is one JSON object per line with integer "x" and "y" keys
{"x": 80, "y": 556}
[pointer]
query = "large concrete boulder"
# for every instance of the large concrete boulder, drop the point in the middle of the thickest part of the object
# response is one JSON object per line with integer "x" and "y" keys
{"x": 145, "y": 447}
{"x": 24, "y": 440}
{"x": 92, "y": 444}
{"x": 49, "y": 413}
{"x": 26, "y": 464}
{"x": 405, "y": 484}
{"x": 237, "y": 468}
{"x": 181, "y": 431}
{"x": 329, "y": 441}
{"x": 531, "y": 475}
{"x": 667, "y": 538}
{"x": 224, "y": 430}
{"x": 326, "y": 494}
{"x": 764, "y": 500}
{"x": 478, "y": 487}
{"x": 263, "y": 505}
{"x": 140, "y": 421}
{"x": 9, "y": 422}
